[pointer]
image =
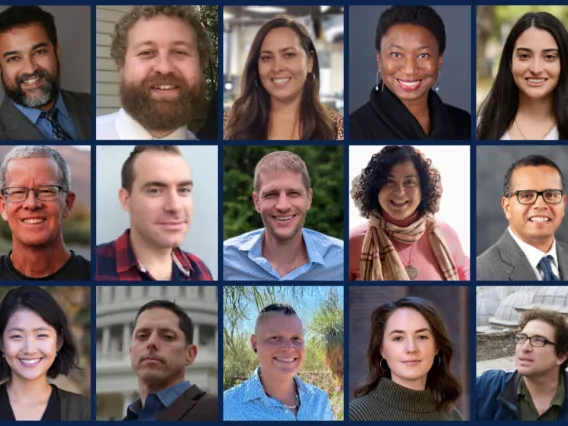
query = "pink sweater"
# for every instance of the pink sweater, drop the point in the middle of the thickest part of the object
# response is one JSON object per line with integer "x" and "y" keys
{"x": 422, "y": 255}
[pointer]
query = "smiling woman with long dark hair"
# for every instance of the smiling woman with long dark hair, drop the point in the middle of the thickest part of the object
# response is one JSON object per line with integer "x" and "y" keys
{"x": 529, "y": 98}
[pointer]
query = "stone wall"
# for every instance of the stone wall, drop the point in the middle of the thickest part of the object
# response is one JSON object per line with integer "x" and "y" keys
{"x": 495, "y": 345}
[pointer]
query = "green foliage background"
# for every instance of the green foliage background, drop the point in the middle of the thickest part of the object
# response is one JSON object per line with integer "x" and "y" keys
{"x": 209, "y": 18}
{"x": 325, "y": 166}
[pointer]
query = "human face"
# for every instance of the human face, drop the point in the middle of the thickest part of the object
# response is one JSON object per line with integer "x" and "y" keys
{"x": 30, "y": 66}
{"x": 160, "y": 202}
{"x": 34, "y": 222}
{"x": 282, "y": 201}
{"x": 536, "y": 63}
{"x": 537, "y": 361}
{"x": 536, "y": 223}
{"x": 409, "y": 61}
{"x": 161, "y": 79}
{"x": 283, "y": 64}
{"x": 158, "y": 352}
{"x": 29, "y": 345}
{"x": 279, "y": 344}
{"x": 409, "y": 348}
{"x": 400, "y": 196}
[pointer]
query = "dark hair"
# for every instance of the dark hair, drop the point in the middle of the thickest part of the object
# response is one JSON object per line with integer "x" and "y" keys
{"x": 127, "y": 173}
{"x": 283, "y": 308}
{"x": 554, "y": 319}
{"x": 185, "y": 323}
{"x": 38, "y": 300}
{"x": 366, "y": 186}
{"x": 440, "y": 380}
{"x": 251, "y": 111}
{"x": 423, "y": 16}
{"x": 20, "y": 16}
{"x": 529, "y": 161}
{"x": 499, "y": 109}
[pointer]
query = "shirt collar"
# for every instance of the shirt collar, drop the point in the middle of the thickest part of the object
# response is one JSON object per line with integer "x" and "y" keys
{"x": 165, "y": 396}
{"x": 533, "y": 254}
{"x": 254, "y": 389}
{"x": 33, "y": 114}
{"x": 557, "y": 399}
{"x": 128, "y": 128}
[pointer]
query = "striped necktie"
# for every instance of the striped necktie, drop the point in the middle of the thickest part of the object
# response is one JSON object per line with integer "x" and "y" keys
{"x": 57, "y": 131}
{"x": 545, "y": 265}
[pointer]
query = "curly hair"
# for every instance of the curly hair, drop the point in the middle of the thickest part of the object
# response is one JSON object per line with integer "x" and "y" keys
{"x": 554, "y": 319}
{"x": 188, "y": 14}
{"x": 366, "y": 186}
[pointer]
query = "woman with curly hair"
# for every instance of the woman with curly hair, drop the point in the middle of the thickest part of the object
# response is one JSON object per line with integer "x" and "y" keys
{"x": 279, "y": 97}
{"x": 399, "y": 192}
{"x": 410, "y": 377}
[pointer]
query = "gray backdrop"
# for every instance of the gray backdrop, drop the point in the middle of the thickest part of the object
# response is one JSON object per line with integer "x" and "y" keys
{"x": 74, "y": 36}
{"x": 455, "y": 78}
{"x": 112, "y": 220}
{"x": 492, "y": 164}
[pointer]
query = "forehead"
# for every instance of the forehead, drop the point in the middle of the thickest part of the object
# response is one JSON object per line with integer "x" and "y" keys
{"x": 158, "y": 318}
{"x": 21, "y": 169}
{"x": 165, "y": 167}
{"x": 403, "y": 169}
{"x": 277, "y": 322}
{"x": 535, "y": 177}
{"x": 409, "y": 36}
{"x": 281, "y": 38}
{"x": 22, "y": 37}
{"x": 539, "y": 327}
{"x": 536, "y": 39}
{"x": 284, "y": 179}
{"x": 406, "y": 319}
{"x": 26, "y": 318}
{"x": 161, "y": 30}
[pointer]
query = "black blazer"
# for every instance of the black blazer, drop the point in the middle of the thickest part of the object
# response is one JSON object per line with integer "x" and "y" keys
{"x": 15, "y": 126}
{"x": 385, "y": 117}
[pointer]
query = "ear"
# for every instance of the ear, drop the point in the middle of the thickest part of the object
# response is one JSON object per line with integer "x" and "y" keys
{"x": 311, "y": 62}
{"x": 124, "y": 198}
{"x": 310, "y": 197}
{"x": 379, "y": 63}
{"x": 57, "y": 50}
{"x": 255, "y": 200}
{"x": 69, "y": 201}
{"x": 506, "y": 204}
{"x": 3, "y": 209}
{"x": 561, "y": 358}
{"x": 440, "y": 61}
{"x": 190, "y": 355}
{"x": 253, "y": 342}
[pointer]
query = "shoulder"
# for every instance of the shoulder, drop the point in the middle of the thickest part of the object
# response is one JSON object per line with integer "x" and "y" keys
{"x": 106, "y": 249}
{"x": 338, "y": 123}
{"x": 324, "y": 240}
{"x": 233, "y": 402}
{"x": 82, "y": 98}
{"x": 239, "y": 240}
{"x": 74, "y": 406}
{"x": 362, "y": 122}
{"x": 199, "y": 267}
{"x": 493, "y": 379}
{"x": 107, "y": 118}
{"x": 357, "y": 234}
{"x": 360, "y": 408}
{"x": 362, "y": 114}
{"x": 489, "y": 264}
{"x": 457, "y": 115}
{"x": 455, "y": 414}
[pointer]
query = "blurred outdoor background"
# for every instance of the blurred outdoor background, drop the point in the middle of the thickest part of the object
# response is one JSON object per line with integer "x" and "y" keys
{"x": 321, "y": 312}
{"x": 76, "y": 303}
{"x": 493, "y": 26}
{"x": 325, "y": 167}
{"x": 77, "y": 228}
{"x": 325, "y": 25}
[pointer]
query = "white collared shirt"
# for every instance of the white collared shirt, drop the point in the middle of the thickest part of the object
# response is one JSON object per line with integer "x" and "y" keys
{"x": 535, "y": 255}
{"x": 121, "y": 126}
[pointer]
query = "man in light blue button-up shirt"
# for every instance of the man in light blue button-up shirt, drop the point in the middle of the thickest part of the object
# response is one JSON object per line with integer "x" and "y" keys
{"x": 283, "y": 249}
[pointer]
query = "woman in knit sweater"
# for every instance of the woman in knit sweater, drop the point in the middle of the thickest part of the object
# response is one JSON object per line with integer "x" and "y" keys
{"x": 409, "y": 359}
{"x": 399, "y": 192}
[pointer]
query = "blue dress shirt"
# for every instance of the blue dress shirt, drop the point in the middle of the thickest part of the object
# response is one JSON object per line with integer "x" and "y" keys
{"x": 242, "y": 259}
{"x": 248, "y": 401}
{"x": 44, "y": 126}
{"x": 156, "y": 403}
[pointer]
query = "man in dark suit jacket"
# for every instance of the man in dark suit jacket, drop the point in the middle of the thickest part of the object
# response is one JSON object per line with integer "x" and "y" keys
{"x": 534, "y": 204}
{"x": 34, "y": 106}
{"x": 161, "y": 349}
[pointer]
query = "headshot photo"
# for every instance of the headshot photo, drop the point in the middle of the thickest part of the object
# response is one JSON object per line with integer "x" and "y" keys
{"x": 522, "y": 353}
{"x": 283, "y": 73}
{"x": 521, "y": 204}
{"x": 156, "y": 213}
{"x": 157, "y": 353}
{"x": 45, "y": 205}
{"x": 156, "y": 72}
{"x": 45, "y": 366}
{"x": 409, "y": 353}
{"x": 409, "y": 73}
{"x": 282, "y": 213}
{"x": 45, "y": 68}
{"x": 283, "y": 353}
{"x": 409, "y": 213}
{"x": 521, "y": 69}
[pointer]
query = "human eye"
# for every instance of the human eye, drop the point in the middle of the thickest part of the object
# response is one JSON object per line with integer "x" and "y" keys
{"x": 396, "y": 54}
{"x": 290, "y": 55}
{"x": 15, "y": 337}
{"x": 410, "y": 182}
{"x": 154, "y": 190}
{"x": 540, "y": 341}
{"x": 47, "y": 190}
{"x": 265, "y": 58}
{"x": 397, "y": 339}
{"x": 40, "y": 51}
{"x": 16, "y": 191}
{"x": 551, "y": 57}
{"x": 424, "y": 55}
{"x": 13, "y": 59}
{"x": 141, "y": 335}
{"x": 423, "y": 337}
{"x": 146, "y": 53}
{"x": 523, "y": 56}
{"x": 526, "y": 195}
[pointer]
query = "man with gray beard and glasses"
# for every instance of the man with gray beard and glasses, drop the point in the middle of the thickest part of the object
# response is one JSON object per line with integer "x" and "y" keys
{"x": 35, "y": 107}
{"x": 160, "y": 52}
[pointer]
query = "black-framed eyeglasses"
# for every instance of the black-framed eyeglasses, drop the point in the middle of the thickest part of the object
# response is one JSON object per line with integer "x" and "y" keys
{"x": 537, "y": 341}
{"x": 18, "y": 194}
{"x": 529, "y": 196}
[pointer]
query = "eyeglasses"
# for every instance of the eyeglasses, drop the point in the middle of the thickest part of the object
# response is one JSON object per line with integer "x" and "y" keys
{"x": 550, "y": 196}
{"x": 537, "y": 341}
{"x": 18, "y": 194}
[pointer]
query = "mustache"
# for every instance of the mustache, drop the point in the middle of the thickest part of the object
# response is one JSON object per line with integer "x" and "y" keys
{"x": 39, "y": 73}
{"x": 168, "y": 79}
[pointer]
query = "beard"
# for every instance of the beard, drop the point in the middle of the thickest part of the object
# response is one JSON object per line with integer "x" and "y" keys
{"x": 37, "y": 97}
{"x": 161, "y": 114}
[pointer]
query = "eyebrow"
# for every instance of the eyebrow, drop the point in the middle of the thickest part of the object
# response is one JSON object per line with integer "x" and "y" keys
{"x": 34, "y": 47}
{"x": 526, "y": 49}
{"x": 163, "y": 185}
{"x": 392, "y": 176}
{"x": 35, "y": 329}
{"x": 153, "y": 43}
{"x": 397, "y": 46}
{"x": 422, "y": 330}
{"x": 281, "y": 50}
{"x": 161, "y": 329}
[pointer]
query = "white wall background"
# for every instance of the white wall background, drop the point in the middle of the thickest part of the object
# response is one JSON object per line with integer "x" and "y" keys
{"x": 453, "y": 163}
{"x": 112, "y": 220}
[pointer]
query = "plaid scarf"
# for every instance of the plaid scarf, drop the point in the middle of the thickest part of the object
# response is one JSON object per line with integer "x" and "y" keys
{"x": 380, "y": 260}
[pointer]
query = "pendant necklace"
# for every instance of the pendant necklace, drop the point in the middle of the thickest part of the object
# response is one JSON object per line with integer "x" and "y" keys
{"x": 410, "y": 270}
{"x": 296, "y": 391}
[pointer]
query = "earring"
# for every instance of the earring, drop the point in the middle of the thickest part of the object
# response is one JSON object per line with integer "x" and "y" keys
{"x": 381, "y": 365}
{"x": 255, "y": 350}
{"x": 377, "y": 78}
{"x": 437, "y": 88}
{"x": 439, "y": 360}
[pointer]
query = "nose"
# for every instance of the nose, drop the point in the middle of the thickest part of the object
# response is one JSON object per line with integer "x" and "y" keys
{"x": 29, "y": 345}
{"x": 31, "y": 202}
{"x": 283, "y": 203}
{"x": 163, "y": 63}
{"x": 540, "y": 203}
{"x": 410, "y": 66}
{"x": 411, "y": 345}
{"x": 287, "y": 344}
{"x": 152, "y": 342}
{"x": 526, "y": 347}
{"x": 535, "y": 65}
{"x": 27, "y": 65}
{"x": 173, "y": 202}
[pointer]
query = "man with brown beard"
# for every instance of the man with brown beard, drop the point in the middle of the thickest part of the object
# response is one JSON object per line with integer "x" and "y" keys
{"x": 160, "y": 52}
{"x": 35, "y": 107}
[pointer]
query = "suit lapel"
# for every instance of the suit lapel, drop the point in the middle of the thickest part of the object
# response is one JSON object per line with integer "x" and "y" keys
{"x": 514, "y": 257}
{"x": 181, "y": 406}
{"x": 80, "y": 117}
{"x": 562, "y": 255}
{"x": 16, "y": 124}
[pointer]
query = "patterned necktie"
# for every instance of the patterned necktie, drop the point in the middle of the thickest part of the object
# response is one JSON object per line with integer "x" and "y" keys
{"x": 545, "y": 265}
{"x": 56, "y": 130}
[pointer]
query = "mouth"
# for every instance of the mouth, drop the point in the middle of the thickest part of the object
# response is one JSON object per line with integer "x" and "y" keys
{"x": 525, "y": 360}
{"x": 540, "y": 219}
{"x": 34, "y": 221}
{"x": 281, "y": 82}
{"x": 412, "y": 362}
{"x": 284, "y": 220}
{"x": 165, "y": 90}
{"x": 398, "y": 204}
{"x": 32, "y": 82}
{"x": 152, "y": 360}
{"x": 175, "y": 226}
{"x": 535, "y": 82}
{"x": 287, "y": 360}
{"x": 409, "y": 85}
{"x": 29, "y": 362}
